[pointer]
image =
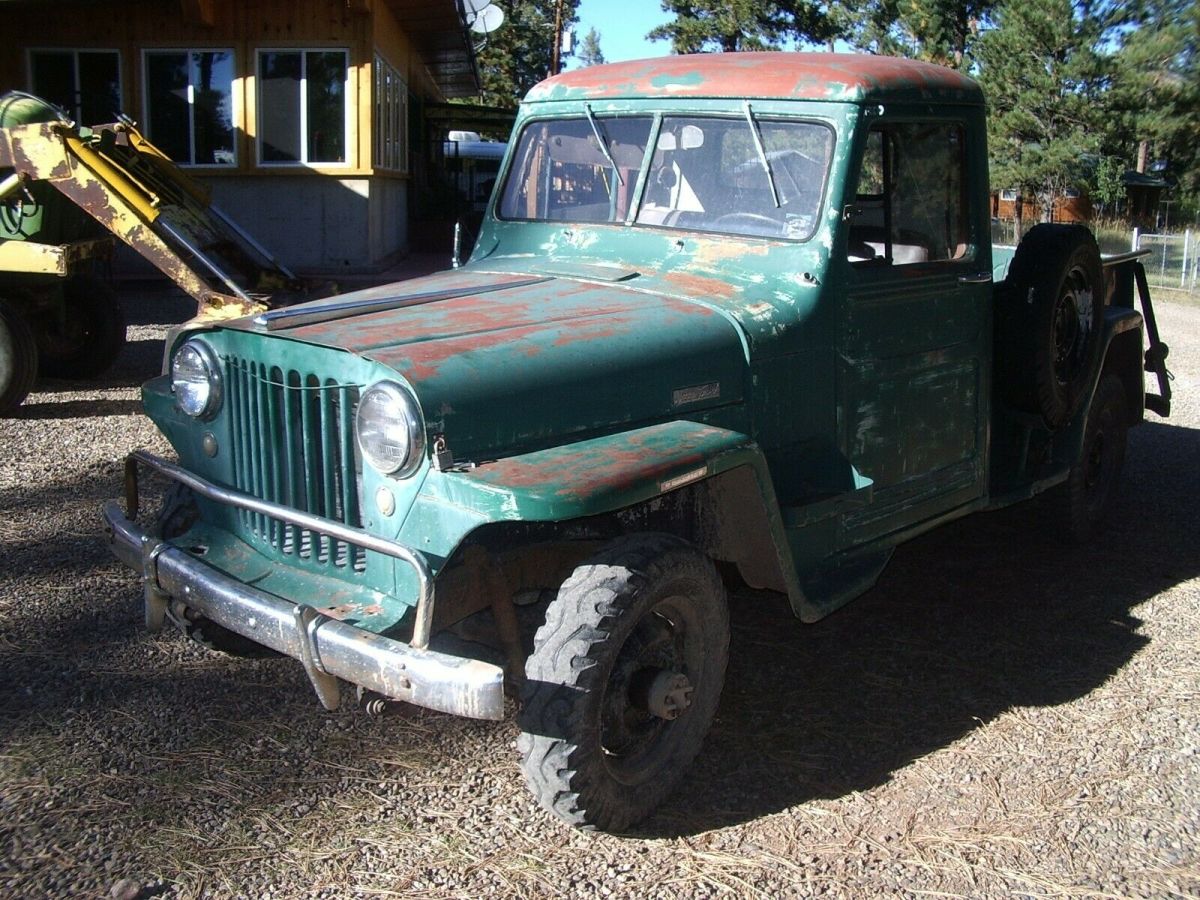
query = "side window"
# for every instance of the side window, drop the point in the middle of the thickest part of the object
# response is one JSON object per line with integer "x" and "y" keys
{"x": 302, "y": 106}
{"x": 189, "y": 105}
{"x": 911, "y": 202}
{"x": 85, "y": 83}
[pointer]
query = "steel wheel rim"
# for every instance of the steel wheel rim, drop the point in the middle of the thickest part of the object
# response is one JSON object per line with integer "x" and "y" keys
{"x": 668, "y": 636}
{"x": 1071, "y": 325}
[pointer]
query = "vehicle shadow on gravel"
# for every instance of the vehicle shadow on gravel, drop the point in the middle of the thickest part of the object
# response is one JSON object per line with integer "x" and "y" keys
{"x": 969, "y": 621}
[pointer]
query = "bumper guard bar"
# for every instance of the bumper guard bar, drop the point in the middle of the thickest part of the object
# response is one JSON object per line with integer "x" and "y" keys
{"x": 329, "y": 649}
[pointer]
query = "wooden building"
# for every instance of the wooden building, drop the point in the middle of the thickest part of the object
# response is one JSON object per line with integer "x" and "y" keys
{"x": 1070, "y": 206}
{"x": 306, "y": 117}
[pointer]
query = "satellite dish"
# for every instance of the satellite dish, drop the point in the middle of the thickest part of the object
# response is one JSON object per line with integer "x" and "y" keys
{"x": 487, "y": 19}
{"x": 475, "y": 6}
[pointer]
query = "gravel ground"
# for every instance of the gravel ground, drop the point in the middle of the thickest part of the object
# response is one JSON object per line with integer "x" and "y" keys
{"x": 998, "y": 717}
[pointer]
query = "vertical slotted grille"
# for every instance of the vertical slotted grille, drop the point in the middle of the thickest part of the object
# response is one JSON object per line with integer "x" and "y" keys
{"x": 293, "y": 444}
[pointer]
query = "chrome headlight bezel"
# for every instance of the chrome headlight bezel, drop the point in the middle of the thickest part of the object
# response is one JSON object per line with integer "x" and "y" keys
{"x": 212, "y": 376}
{"x": 406, "y": 416}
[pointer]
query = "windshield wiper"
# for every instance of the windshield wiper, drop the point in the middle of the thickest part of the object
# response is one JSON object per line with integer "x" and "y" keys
{"x": 762, "y": 152}
{"x": 591, "y": 117}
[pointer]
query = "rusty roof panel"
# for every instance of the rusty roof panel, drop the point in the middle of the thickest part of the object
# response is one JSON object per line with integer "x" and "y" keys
{"x": 852, "y": 77}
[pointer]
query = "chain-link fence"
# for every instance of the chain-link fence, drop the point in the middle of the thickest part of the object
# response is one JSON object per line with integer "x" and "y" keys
{"x": 1174, "y": 260}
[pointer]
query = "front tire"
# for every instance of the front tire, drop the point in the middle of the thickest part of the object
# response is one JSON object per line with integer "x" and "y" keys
{"x": 623, "y": 681}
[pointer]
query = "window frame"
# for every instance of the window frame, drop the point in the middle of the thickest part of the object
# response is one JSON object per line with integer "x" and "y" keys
{"x": 392, "y": 110}
{"x": 657, "y": 117}
{"x": 234, "y": 104}
{"x": 887, "y": 128}
{"x": 76, "y": 113}
{"x": 347, "y": 111}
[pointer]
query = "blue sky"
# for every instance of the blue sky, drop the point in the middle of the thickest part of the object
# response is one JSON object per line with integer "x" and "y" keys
{"x": 623, "y": 25}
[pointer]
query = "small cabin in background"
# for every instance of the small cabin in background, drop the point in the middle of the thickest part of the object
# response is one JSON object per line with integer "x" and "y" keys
{"x": 1143, "y": 194}
{"x": 316, "y": 123}
{"x": 1072, "y": 205}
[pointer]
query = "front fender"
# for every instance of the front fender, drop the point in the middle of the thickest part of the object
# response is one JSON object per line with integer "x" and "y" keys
{"x": 598, "y": 475}
{"x": 609, "y": 474}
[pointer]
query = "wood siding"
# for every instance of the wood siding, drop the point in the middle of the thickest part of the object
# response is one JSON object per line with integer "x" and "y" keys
{"x": 245, "y": 26}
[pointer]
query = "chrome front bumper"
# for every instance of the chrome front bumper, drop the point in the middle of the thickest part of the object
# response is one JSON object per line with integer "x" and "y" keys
{"x": 328, "y": 648}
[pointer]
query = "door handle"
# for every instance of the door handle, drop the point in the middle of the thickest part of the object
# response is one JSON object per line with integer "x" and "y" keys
{"x": 976, "y": 278}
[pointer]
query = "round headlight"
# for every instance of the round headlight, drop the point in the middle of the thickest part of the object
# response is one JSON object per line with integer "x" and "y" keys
{"x": 196, "y": 380}
{"x": 388, "y": 428}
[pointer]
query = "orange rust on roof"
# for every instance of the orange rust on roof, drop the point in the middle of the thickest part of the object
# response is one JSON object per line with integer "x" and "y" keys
{"x": 794, "y": 76}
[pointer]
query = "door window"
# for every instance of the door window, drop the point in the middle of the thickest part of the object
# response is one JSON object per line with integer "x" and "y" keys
{"x": 911, "y": 199}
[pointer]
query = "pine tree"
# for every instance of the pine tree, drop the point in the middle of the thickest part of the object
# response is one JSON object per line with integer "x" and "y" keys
{"x": 1155, "y": 94}
{"x": 940, "y": 31}
{"x": 1043, "y": 75}
{"x": 590, "y": 53}
{"x": 517, "y": 54}
{"x": 729, "y": 25}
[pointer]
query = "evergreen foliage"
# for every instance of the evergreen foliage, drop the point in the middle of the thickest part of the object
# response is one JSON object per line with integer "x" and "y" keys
{"x": 729, "y": 25}
{"x": 1155, "y": 92}
{"x": 1073, "y": 86}
{"x": 938, "y": 31}
{"x": 1044, "y": 78}
{"x": 517, "y": 55}
{"x": 590, "y": 53}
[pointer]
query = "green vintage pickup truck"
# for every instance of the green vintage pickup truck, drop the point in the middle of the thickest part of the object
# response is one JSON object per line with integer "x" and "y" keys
{"x": 730, "y": 319}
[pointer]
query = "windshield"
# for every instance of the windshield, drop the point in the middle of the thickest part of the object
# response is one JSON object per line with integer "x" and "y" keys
{"x": 706, "y": 174}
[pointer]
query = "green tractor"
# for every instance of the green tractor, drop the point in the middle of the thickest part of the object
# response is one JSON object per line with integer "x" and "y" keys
{"x": 57, "y": 318}
{"x": 66, "y": 193}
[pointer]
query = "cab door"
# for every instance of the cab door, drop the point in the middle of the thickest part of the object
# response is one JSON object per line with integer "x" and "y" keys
{"x": 915, "y": 325}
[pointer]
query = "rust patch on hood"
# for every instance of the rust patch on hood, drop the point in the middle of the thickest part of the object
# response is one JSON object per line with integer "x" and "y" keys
{"x": 702, "y": 286}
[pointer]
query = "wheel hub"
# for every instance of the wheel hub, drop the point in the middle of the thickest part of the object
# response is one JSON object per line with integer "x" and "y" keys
{"x": 669, "y": 695}
{"x": 1071, "y": 327}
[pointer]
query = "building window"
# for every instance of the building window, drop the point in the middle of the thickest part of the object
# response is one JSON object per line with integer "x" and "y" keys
{"x": 1009, "y": 195}
{"x": 302, "y": 111}
{"x": 189, "y": 105}
{"x": 85, "y": 83}
{"x": 391, "y": 118}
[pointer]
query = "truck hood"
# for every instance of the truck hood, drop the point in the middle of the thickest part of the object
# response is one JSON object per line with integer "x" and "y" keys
{"x": 501, "y": 362}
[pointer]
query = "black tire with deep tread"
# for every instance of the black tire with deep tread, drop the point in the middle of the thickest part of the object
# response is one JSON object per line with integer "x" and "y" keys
{"x": 85, "y": 341}
{"x": 1048, "y": 322}
{"x": 1081, "y": 501}
{"x": 599, "y": 607}
{"x": 18, "y": 359}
